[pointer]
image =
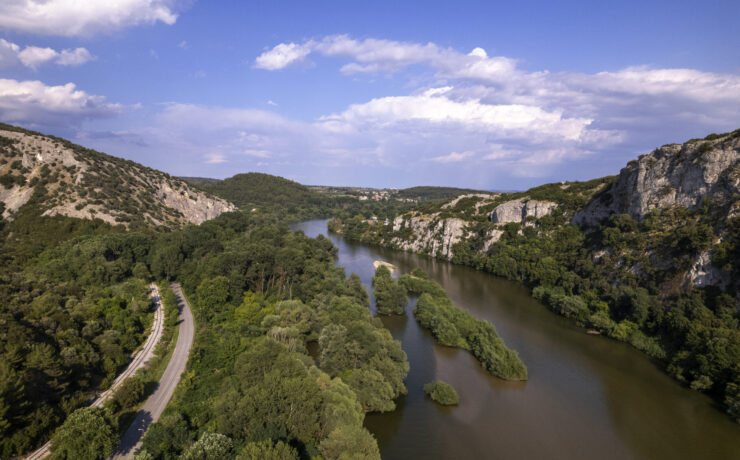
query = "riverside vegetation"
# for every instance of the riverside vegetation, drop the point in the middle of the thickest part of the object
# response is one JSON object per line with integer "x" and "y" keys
{"x": 453, "y": 327}
{"x": 656, "y": 266}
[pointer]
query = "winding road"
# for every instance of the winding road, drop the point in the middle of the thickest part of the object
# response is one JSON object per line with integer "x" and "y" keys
{"x": 139, "y": 360}
{"x": 154, "y": 406}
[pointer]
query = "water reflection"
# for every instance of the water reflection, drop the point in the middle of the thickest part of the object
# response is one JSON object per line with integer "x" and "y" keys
{"x": 587, "y": 397}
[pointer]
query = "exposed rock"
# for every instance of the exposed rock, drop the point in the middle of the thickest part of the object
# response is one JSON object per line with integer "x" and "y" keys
{"x": 519, "y": 210}
{"x": 452, "y": 203}
{"x": 85, "y": 184}
{"x": 683, "y": 175}
{"x": 492, "y": 236}
{"x": 430, "y": 234}
{"x": 703, "y": 273}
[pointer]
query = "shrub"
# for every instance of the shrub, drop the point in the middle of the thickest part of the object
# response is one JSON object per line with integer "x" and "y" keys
{"x": 442, "y": 393}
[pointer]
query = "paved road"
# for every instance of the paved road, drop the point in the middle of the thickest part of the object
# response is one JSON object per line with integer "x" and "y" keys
{"x": 139, "y": 360}
{"x": 154, "y": 406}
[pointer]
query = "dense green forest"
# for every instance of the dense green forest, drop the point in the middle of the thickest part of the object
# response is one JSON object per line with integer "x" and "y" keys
{"x": 267, "y": 194}
{"x": 287, "y": 354}
{"x": 73, "y": 306}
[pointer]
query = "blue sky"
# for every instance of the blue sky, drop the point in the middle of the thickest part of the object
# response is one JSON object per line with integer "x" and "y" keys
{"x": 496, "y": 95}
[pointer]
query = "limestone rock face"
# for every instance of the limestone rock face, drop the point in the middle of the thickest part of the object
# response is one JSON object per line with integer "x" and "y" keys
{"x": 682, "y": 175}
{"x": 430, "y": 234}
{"x": 519, "y": 210}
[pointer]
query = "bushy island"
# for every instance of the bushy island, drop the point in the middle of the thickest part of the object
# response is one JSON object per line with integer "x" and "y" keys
{"x": 390, "y": 295}
{"x": 442, "y": 393}
{"x": 453, "y": 327}
{"x": 646, "y": 257}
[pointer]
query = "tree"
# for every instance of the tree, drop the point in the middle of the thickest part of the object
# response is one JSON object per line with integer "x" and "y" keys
{"x": 390, "y": 296}
{"x": 87, "y": 434}
{"x": 442, "y": 393}
{"x": 349, "y": 442}
{"x": 212, "y": 295}
{"x": 266, "y": 450}
{"x": 210, "y": 446}
{"x": 130, "y": 392}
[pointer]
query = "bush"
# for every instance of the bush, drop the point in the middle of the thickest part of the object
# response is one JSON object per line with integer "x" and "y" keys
{"x": 130, "y": 393}
{"x": 442, "y": 393}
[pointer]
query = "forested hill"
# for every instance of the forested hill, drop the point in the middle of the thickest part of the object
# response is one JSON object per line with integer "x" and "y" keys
{"x": 46, "y": 175}
{"x": 650, "y": 257}
{"x": 429, "y": 193}
{"x": 254, "y": 189}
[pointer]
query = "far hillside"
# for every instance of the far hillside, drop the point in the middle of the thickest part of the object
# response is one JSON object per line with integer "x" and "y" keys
{"x": 428, "y": 193}
{"x": 258, "y": 190}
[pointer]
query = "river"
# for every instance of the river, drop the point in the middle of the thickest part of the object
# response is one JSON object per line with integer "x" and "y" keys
{"x": 587, "y": 397}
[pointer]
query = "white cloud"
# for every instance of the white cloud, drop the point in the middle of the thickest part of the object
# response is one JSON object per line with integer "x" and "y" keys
{"x": 272, "y": 103}
{"x": 34, "y": 56}
{"x": 453, "y": 157}
{"x": 8, "y": 54}
{"x": 75, "y": 57}
{"x": 33, "y": 102}
{"x": 281, "y": 56}
{"x": 434, "y": 107}
{"x": 82, "y": 18}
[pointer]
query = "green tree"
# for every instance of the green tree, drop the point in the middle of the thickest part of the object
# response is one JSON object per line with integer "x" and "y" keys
{"x": 210, "y": 446}
{"x": 267, "y": 450}
{"x": 87, "y": 434}
{"x": 130, "y": 392}
{"x": 349, "y": 442}
{"x": 442, "y": 393}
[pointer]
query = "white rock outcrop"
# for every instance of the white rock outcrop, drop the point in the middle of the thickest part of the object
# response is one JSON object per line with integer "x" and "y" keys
{"x": 430, "y": 234}
{"x": 519, "y": 210}
{"x": 682, "y": 175}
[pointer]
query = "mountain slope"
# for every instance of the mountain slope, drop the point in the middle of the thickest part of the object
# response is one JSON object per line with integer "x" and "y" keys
{"x": 70, "y": 180}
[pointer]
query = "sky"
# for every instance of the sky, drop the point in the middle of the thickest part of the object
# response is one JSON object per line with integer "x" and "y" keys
{"x": 489, "y": 95}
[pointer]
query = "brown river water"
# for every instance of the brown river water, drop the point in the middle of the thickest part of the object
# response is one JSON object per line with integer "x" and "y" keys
{"x": 587, "y": 397}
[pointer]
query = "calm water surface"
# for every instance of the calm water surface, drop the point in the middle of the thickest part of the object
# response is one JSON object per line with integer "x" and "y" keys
{"x": 587, "y": 397}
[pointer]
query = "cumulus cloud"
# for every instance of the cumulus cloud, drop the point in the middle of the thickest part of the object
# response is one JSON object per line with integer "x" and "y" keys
{"x": 34, "y": 56}
{"x": 82, "y": 18}
{"x": 34, "y": 103}
{"x": 281, "y": 56}
{"x": 435, "y": 107}
{"x": 559, "y": 114}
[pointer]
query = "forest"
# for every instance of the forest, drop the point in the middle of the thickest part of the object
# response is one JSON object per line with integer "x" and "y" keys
{"x": 285, "y": 341}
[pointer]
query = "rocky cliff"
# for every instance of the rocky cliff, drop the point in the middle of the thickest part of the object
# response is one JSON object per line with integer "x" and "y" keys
{"x": 61, "y": 178}
{"x": 685, "y": 175}
{"x": 520, "y": 210}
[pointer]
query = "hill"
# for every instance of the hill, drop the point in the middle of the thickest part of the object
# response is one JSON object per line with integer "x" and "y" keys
{"x": 258, "y": 190}
{"x": 427, "y": 193}
{"x": 57, "y": 177}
